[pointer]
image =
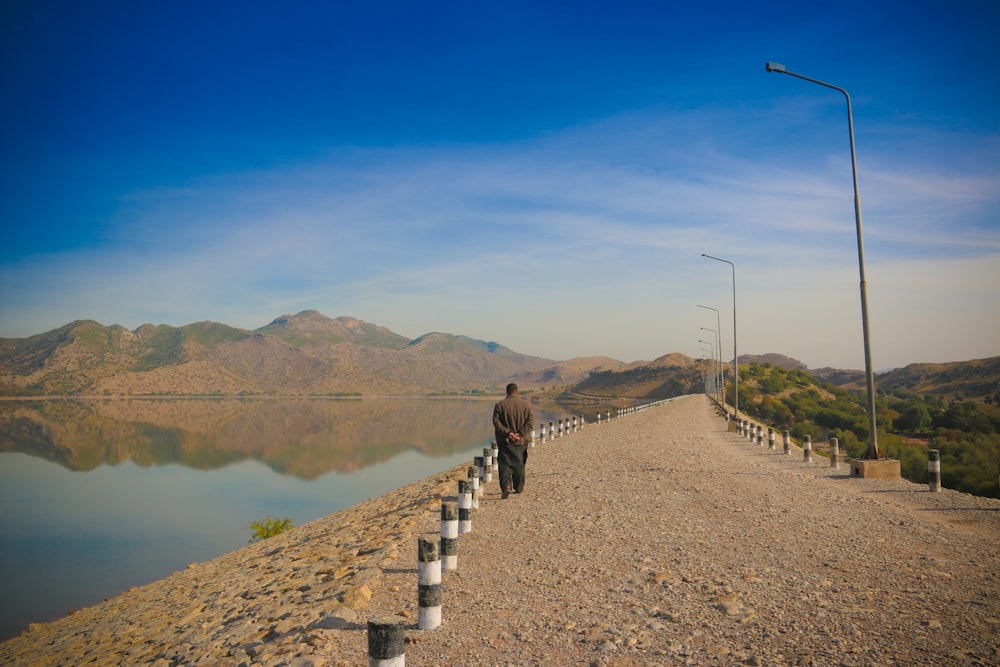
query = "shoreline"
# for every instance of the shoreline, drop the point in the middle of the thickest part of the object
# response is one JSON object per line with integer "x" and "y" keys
{"x": 660, "y": 538}
{"x": 348, "y": 548}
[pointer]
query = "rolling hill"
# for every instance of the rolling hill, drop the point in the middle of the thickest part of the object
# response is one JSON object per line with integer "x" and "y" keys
{"x": 302, "y": 354}
{"x": 309, "y": 353}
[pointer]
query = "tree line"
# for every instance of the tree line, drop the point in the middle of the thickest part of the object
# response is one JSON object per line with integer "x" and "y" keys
{"x": 967, "y": 433}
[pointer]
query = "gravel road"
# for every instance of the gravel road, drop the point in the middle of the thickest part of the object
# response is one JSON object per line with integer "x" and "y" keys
{"x": 663, "y": 539}
{"x": 656, "y": 539}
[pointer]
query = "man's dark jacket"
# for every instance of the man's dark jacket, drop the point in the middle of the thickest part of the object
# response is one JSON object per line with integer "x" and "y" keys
{"x": 513, "y": 414}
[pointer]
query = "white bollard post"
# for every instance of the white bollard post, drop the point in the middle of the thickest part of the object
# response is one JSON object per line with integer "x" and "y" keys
{"x": 770, "y": 438}
{"x": 834, "y": 453}
{"x": 474, "y": 481}
{"x": 934, "y": 470}
{"x": 449, "y": 536}
{"x": 429, "y": 585}
{"x": 787, "y": 437}
{"x": 807, "y": 449}
{"x": 760, "y": 435}
{"x": 487, "y": 465}
{"x": 464, "y": 507}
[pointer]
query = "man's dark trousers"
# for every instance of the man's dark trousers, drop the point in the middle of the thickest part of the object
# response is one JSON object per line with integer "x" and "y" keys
{"x": 511, "y": 460}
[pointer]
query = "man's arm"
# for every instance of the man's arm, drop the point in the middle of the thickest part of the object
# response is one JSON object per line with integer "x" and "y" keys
{"x": 529, "y": 423}
{"x": 499, "y": 427}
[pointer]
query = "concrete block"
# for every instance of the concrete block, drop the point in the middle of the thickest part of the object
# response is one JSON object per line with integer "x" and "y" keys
{"x": 875, "y": 468}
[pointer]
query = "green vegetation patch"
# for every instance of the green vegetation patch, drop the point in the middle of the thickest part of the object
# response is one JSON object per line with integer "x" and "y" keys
{"x": 967, "y": 433}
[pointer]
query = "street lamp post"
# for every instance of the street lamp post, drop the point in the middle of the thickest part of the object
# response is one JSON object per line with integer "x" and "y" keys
{"x": 873, "y": 450}
{"x": 715, "y": 368}
{"x": 722, "y": 374}
{"x": 736, "y": 356}
{"x": 711, "y": 355}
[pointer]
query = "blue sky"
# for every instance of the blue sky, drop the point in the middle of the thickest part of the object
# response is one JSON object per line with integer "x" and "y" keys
{"x": 544, "y": 175}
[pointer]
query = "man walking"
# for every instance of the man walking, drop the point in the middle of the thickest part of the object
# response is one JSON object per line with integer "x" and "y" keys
{"x": 512, "y": 424}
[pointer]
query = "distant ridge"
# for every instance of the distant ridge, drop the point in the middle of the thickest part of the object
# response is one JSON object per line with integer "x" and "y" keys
{"x": 305, "y": 353}
{"x": 774, "y": 359}
{"x": 308, "y": 353}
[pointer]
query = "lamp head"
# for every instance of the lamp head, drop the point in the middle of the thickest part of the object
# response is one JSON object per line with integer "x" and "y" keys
{"x": 774, "y": 67}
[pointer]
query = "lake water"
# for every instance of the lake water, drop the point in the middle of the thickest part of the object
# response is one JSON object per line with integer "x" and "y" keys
{"x": 99, "y": 496}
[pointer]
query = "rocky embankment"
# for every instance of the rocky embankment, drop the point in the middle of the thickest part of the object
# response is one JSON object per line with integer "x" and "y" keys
{"x": 656, "y": 539}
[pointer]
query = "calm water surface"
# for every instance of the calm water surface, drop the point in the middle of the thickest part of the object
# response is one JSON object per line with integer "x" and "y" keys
{"x": 99, "y": 496}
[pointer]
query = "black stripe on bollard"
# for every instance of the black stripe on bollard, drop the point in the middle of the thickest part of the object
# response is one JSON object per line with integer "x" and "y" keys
{"x": 449, "y": 519}
{"x": 429, "y": 597}
{"x": 386, "y": 642}
{"x": 449, "y": 553}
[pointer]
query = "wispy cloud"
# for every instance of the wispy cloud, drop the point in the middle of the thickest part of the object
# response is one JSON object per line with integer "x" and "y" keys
{"x": 504, "y": 241}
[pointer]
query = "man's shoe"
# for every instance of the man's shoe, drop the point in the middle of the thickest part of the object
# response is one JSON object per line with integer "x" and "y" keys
{"x": 505, "y": 492}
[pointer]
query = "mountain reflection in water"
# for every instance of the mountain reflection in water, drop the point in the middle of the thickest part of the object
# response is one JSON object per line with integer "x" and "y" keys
{"x": 305, "y": 437}
{"x": 97, "y": 496}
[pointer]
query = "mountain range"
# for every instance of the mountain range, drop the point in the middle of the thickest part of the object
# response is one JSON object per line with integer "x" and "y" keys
{"x": 302, "y": 354}
{"x": 311, "y": 354}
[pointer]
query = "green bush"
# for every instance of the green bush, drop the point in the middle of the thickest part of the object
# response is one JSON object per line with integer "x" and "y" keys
{"x": 268, "y": 527}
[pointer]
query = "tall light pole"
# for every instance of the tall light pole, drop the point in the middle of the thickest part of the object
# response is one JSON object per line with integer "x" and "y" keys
{"x": 873, "y": 450}
{"x": 715, "y": 346}
{"x": 722, "y": 375}
{"x": 711, "y": 355}
{"x": 736, "y": 356}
